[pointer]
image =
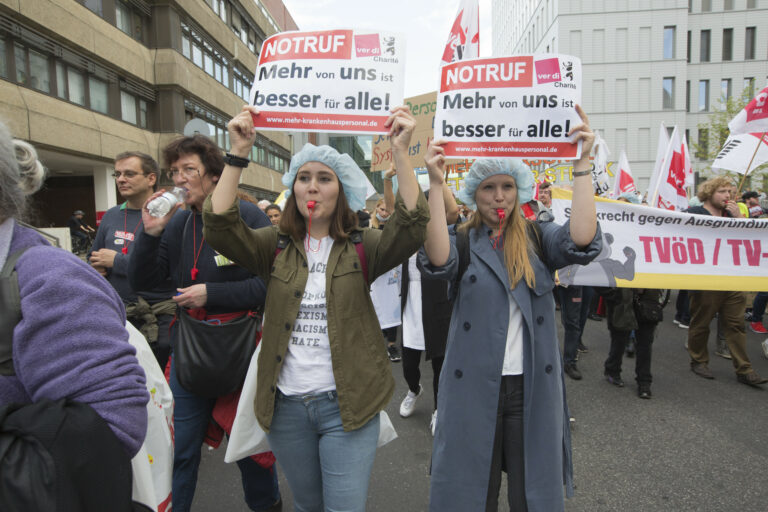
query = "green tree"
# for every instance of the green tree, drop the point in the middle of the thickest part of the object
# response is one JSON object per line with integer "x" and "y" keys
{"x": 714, "y": 133}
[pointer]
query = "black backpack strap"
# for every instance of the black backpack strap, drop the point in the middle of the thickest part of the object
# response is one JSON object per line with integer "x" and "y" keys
{"x": 462, "y": 247}
{"x": 357, "y": 239}
{"x": 10, "y": 312}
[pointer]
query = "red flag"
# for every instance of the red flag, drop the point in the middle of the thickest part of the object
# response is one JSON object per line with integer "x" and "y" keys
{"x": 624, "y": 180}
{"x": 464, "y": 37}
{"x": 754, "y": 117}
{"x": 671, "y": 189}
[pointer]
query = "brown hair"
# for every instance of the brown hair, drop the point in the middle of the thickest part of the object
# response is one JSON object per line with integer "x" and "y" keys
{"x": 343, "y": 222}
{"x": 517, "y": 248}
{"x": 708, "y": 188}
{"x": 148, "y": 164}
{"x": 200, "y": 145}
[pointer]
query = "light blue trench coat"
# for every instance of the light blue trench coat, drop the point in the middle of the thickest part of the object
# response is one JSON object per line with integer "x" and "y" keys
{"x": 471, "y": 377}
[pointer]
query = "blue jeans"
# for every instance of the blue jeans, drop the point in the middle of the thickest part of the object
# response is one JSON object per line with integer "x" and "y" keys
{"x": 570, "y": 315}
{"x": 191, "y": 415}
{"x": 758, "y": 306}
{"x": 327, "y": 468}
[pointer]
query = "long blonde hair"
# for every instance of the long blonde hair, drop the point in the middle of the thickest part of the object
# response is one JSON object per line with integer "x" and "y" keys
{"x": 517, "y": 248}
{"x": 375, "y": 223}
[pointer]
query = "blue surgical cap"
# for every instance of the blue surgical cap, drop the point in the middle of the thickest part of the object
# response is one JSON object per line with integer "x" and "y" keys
{"x": 484, "y": 168}
{"x": 632, "y": 197}
{"x": 352, "y": 178}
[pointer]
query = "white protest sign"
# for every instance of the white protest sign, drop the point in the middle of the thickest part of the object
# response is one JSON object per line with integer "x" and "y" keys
{"x": 645, "y": 247}
{"x": 510, "y": 107}
{"x": 385, "y": 295}
{"x": 333, "y": 80}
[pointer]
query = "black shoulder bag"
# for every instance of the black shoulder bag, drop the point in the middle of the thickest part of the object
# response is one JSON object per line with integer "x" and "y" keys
{"x": 212, "y": 356}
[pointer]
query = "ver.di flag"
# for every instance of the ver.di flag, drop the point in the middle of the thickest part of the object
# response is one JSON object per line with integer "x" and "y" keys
{"x": 670, "y": 190}
{"x": 624, "y": 181}
{"x": 464, "y": 38}
{"x": 738, "y": 151}
{"x": 754, "y": 117}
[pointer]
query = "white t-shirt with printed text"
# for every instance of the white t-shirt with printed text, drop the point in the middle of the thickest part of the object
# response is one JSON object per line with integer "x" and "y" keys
{"x": 307, "y": 367}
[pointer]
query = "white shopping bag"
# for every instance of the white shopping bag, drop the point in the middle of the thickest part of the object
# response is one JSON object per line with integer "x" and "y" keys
{"x": 153, "y": 465}
{"x": 247, "y": 438}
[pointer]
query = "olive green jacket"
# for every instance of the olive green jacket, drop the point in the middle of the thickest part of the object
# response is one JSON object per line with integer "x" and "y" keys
{"x": 364, "y": 382}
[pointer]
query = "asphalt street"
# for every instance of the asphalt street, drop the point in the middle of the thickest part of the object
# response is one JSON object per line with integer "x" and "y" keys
{"x": 697, "y": 445}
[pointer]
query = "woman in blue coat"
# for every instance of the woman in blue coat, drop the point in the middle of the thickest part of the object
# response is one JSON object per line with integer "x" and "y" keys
{"x": 502, "y": 393}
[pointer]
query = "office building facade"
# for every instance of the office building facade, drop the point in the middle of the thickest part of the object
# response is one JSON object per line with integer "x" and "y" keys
{"x": 84, "y": 80}
{"x": 645, "y": 63}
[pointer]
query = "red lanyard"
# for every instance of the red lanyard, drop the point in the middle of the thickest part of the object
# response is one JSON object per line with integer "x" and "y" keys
{"x": 194, "y": 270}
{"x": 127, "y": 242}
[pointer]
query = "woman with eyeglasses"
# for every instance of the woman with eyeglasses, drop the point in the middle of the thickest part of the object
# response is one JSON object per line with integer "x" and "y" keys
{"x": 323, "y": 376}
{"x": 208, "y": 286}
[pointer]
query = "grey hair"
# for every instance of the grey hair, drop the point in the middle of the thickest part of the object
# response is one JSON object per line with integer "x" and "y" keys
{"x": 21, "y": 174}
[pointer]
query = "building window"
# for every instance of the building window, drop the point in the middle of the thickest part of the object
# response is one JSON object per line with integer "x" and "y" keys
{"x": 706, "y": 5}
{"x": 97, "y": 94}
{"x": 142, "y": 114}
{"x": 204, "y": 55}
{"x": 128, "y": 107}
{"x": 668, "y": 93}
{"x": 76, "y": 86}
{"x": 39, "y": 72}
{"x": 727, "y": 44}
{"x": 749, "y": 86}
{"x": 704, "y": 46}
{"x": 123, "y": 17}
{"x": 749, "y": 43}
{"x": 751, "y": 4}
{"x": 728, "y": 5}
{"x": 687, "y": 95}
{"x": 725, "y": 89}
{"x": 3, "y": 64}
{"x": 220, "y": 8}
{"x": 32, "y": 69}
{"x": 669, "y": 42}
{"x": 703, "y": 95}
{"x": 93, "y": 5}
{"x": 688, "y": 48}
{"x": 690, "y": 5}
{"x": 241, "y": 83}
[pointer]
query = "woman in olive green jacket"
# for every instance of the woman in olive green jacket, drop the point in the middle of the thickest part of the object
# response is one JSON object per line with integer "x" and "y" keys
{"x": 323, "y": 375}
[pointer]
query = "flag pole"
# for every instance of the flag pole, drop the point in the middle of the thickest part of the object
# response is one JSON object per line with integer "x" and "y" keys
{"x": 750, "y": 162}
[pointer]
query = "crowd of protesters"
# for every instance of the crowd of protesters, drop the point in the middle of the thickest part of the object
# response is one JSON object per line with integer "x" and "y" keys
{"x": 479, "y": 290}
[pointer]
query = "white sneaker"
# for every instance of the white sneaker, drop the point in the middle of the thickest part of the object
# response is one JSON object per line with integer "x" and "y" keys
{"x": 433, "y": 423}
{"x": 409, "y": 402}
{"x": 764, "y": 344}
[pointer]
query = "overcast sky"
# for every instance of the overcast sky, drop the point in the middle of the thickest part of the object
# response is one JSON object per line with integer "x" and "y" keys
{"x": 424, "y": 22}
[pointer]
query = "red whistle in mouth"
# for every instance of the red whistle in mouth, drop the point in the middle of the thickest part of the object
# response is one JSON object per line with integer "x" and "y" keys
{"x": 311, "y": 205}
{"x": 500, "y": 212}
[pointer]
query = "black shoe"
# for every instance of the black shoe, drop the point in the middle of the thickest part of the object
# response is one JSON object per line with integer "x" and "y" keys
{"x": 582, "y": 348}
{"x": 595, "y": 317}
{"x": 644, "y": 391}
{"x": 616, "y": 381}
{"x": 572, "y": 371}
{"x": 394, "y": 354}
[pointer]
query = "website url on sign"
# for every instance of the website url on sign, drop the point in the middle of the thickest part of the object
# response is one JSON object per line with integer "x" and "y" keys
{"x": 498, "y": 149}
{"x": 323, "y": 121}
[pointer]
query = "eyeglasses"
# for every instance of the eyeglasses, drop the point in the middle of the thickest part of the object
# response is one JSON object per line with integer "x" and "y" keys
{"x": 128, "y": 174}
{"x": 188, "y": 172}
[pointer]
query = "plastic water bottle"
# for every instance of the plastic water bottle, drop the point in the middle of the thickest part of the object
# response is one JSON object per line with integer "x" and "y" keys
{"x": 160, "y": 206}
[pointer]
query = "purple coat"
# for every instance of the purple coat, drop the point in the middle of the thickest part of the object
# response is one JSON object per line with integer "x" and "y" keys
{"x": 72, "y": 342}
